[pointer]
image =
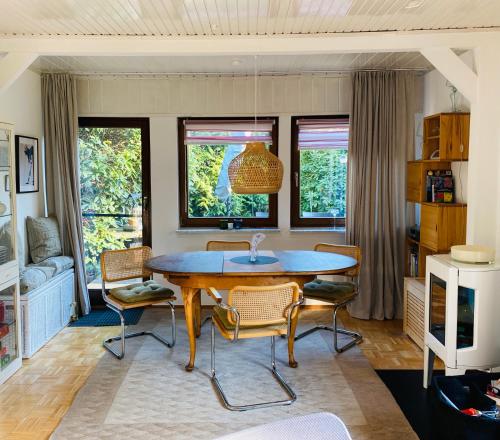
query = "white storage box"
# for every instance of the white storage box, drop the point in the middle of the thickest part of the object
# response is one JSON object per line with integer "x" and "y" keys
{"x": 46, "y": 310}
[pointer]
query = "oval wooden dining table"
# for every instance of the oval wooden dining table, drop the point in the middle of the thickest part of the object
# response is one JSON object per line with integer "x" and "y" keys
{"x": 195, "y": 271}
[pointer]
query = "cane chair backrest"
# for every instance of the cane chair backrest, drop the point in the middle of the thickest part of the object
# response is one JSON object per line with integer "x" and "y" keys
{"x": 349, "y": 251}
{"x": 221, "y": 245}
{"x": 125, "y": 264}
{"x": 263, "y": 305}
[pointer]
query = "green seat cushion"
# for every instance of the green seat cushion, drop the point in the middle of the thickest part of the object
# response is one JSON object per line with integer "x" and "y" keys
{"x": 222, "y": 315}
{"x": 331, "y": 291}
{"x": 148, "y": 290}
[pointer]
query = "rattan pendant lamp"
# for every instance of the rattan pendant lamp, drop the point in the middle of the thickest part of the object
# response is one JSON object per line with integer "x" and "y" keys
{"x": 255, "y": 170}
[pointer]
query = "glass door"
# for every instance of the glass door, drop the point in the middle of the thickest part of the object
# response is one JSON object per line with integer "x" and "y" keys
{"x": 9, "y": 344}
{"x": 7, "y": 189}
{"x": 115, "y": 187}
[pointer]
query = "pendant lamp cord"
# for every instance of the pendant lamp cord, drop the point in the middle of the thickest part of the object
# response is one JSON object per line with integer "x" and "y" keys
{"x": 255, "y": 91}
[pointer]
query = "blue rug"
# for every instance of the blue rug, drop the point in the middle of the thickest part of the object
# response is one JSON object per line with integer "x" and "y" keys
{"x": 106, "y": 317}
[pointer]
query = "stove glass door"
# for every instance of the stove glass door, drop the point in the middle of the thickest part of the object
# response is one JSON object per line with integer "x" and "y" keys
{"x": 437, "y": 315}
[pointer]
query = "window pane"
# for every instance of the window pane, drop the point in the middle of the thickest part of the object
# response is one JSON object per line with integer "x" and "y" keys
{"x": 111, "y": 192}
{"x": 209, "y": 193}
{"x": 323, "y": 178}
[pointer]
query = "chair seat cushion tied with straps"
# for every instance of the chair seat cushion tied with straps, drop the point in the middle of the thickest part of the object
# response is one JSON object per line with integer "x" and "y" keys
{"x": 138, "y": 292}
{"x": 222, "y": 319}
{"x": 332, "y": 291}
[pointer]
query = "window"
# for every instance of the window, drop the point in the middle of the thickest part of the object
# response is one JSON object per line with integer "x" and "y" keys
{"x": 319, "y": 171}
{"x": 114, "y": 187}
{"x": 206, "y": 147}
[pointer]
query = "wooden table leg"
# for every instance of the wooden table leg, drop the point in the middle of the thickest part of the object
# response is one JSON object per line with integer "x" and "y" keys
{"x": 188, "y": 297}
{"x": 291, "y": 340}
{"x": 197, "y": 312}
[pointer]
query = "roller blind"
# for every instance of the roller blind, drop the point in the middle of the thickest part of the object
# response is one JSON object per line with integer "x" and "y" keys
{"x": 225, "y": 132}
{"x": 324, "y": 133}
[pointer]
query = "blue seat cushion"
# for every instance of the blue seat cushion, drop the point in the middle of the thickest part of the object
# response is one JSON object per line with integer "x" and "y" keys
{"x": 332, "y": 291}
{"x": 147, "y": 291}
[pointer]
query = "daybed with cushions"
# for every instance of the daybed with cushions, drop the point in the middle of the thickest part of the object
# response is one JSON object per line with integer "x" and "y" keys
{"x": 47, "y": 285}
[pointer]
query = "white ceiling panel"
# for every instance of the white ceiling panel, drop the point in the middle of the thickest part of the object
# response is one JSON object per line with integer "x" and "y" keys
{"x": 289, "y": 64}
{"x": 240, "y": 17}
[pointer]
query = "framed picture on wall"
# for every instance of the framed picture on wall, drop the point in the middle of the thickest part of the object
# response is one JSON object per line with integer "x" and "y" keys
{"x": 26, "y": 164}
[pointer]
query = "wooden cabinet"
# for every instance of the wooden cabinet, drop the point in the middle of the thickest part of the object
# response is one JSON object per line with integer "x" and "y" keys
{"x": 416, "y": 174}
{"x": 446, "y": 137}
{"x": 442, "y": 225}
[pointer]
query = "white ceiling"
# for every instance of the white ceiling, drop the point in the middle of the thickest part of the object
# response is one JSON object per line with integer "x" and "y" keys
{"x": 240, "y": 17}
{"x": 289, "y": 64}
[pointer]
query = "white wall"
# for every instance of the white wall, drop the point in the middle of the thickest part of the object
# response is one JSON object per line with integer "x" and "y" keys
{"x": 163, "y": 100}
{"x": 21, "y": 105}
{"x": 437, "y": 100}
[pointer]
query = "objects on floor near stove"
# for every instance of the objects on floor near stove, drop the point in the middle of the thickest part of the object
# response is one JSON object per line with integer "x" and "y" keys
{"x": 461, "y": 411}
{"x": 493, "y": 391}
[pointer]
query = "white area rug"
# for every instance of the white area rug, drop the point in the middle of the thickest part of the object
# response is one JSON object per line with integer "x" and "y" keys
{"x": 149, "y": 395}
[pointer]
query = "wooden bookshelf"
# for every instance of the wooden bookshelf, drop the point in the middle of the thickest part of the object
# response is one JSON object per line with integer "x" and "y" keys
{"x": 442, "y": 225}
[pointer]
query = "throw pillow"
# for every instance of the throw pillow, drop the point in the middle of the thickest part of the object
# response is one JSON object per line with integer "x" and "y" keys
{"x": 43, "y": 238}
{"x": 60, "y": 264}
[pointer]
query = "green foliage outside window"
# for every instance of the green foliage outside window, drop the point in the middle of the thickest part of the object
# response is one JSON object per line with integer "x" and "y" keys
{"x": 323, "y": 179}
{"x": 204, "y": 165}
{"x": 110, "y": 183}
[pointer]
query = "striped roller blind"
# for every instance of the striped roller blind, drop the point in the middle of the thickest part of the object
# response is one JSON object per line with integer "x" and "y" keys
{"x": 225, "y": 132}
{"x": 324, "y": 133}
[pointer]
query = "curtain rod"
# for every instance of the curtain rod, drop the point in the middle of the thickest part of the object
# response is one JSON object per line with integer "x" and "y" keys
{"x": 223, "y": 74}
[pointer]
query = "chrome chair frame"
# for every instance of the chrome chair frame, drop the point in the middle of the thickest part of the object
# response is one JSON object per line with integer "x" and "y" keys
{"x": 356, "y": 337}
{"x": 107, "y": 343}
{"x": 289, "y": 391}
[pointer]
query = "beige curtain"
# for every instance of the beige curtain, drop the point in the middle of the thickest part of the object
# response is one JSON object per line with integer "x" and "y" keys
{"x": 382, "y": 120}
{"x": 63, "y": 183}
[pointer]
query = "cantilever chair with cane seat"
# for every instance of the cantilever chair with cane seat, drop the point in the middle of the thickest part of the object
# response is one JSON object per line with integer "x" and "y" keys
{"x": 338, "y": 293}
{"x": 128, "y": 264}
{"x": 255, "y": 312}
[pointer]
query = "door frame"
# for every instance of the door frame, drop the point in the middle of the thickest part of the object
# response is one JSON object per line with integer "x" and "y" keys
{"x": 143, "y": 124}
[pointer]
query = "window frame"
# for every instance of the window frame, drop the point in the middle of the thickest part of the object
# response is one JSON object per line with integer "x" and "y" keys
{"x": 214, "y": 222}
{"x": 143, "y": 125}
{"x": 295, "y": 219}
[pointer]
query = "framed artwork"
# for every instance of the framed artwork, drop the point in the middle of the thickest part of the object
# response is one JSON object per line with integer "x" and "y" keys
{"x": 26, "y": 164}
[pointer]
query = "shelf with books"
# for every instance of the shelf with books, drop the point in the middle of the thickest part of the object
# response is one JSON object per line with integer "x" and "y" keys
{"x": 416, "y": 254}
{"x": 431, "y": 185}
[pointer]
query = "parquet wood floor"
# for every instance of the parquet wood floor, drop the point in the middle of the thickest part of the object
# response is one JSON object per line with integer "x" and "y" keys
{"x": 35, "y": 399}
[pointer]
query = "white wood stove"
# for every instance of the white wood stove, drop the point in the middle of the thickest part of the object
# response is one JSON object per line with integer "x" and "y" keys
{"x": 462, "y": 315}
